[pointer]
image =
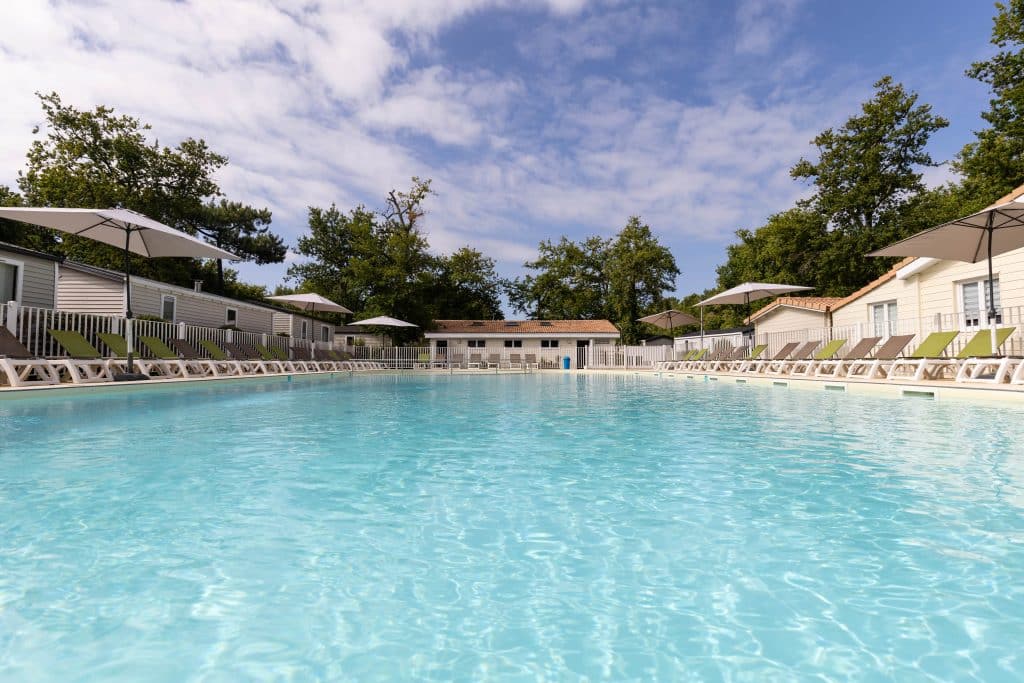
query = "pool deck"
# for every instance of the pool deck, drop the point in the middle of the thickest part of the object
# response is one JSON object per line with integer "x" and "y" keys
{"x": 933, "y": 389}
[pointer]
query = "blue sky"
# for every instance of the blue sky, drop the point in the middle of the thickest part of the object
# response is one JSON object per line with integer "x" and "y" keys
{"x": 535, "y": 118}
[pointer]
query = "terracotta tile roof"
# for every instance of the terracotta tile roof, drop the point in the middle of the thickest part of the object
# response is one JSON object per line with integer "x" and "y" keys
{"x": 813, "y": 303}
{"x": 523, "y": 327}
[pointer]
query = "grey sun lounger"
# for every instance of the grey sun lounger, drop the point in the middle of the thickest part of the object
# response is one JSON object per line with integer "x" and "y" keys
{"x": 801, "y": 353}
{"x": 782, "y": 354}
{"x": 868, "y": 368}
{"x": 21, "y": 367}
{"x": 834, "y": 367}
{"x": 214, "y": 367}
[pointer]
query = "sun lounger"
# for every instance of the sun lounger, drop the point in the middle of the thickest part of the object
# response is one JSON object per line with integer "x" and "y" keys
{"x": 869, "y": 368}
{"x": 835, "y": 367}
{"x": 275, "y": 354}
{"x": 742, "y": 364}
{"x": 806, "y": 368}
{"x": 802, "y": 352}
{"x": 457, "y": 360}
{"x": 475, "y": 361}
{"x": 196, "y": 367}
{"x": 705, "y": 363}
{"x": 531, "y": 361}
{"x": 20, "y": 366}
{"x": 515, "y": 361}
{"x": 493, "y": 360}
{"x": 670, "y": 365}
{"x": 976, "y": 357}
{"x": 303, "y": 361}
{"x": 724, "y": 363}
{"x": 84, "y": 364}
{"x": 782, "y": 354}
{"x": 148, "y": 366}
{"x": 214, "y": 367}
{"x": 693, "y": 361}
{"x": 919, "y": 363}
{"x": 252, "y": 362}
{"x": 240, "y": 364}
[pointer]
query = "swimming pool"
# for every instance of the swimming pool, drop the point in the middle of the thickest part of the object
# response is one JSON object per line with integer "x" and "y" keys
{"x": 549, "y": 526}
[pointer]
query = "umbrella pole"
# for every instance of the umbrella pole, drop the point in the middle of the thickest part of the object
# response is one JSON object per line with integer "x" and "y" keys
{"x": 128, "y": 299}
{"x": 702, "y": 327}
{"x": 991, "y": 290}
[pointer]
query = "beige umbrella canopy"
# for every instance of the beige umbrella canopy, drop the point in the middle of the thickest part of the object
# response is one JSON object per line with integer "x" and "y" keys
{"x": 383, "y": 321}
{"x": 310, "y": 302}
{"x": 669, "y": 319}
{"x": 128, "y": 230}
{"x": 980, "y": 236}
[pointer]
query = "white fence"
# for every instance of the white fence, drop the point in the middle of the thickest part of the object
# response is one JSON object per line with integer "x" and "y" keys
{"x": 30, "y": 325}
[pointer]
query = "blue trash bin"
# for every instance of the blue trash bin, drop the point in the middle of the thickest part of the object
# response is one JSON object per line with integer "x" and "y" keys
{"x": 565, "y": 362}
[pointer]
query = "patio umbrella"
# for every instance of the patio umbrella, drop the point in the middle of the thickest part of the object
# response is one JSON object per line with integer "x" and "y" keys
{"x": 383, "y": 321}
{"x": 310, "y": 302}
{"x": 669, "y": 319}
{"x": 132, "y": 231}
{"x": 982, "y": 235}
{"x": 744, "y": 294}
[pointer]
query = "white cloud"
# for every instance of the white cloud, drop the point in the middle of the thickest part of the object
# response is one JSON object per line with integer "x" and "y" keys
{"x": 339, "y": 101}
{"x": 761, "y": 24}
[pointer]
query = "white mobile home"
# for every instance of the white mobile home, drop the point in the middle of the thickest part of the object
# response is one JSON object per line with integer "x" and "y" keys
{"x": 299, "y": 326}
{"x": 27, "y": 277}
{"x": 87, "y": 289}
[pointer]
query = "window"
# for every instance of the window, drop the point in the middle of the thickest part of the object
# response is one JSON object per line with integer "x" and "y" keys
{"x": 167, "y": 307}
{"x": 10, "y": 274}
{"x": 549, "y": 343}
{"x": 231, "y": 317}
{"x": 304, "y": 329}
{"x": 974, "y": 302}
{"x": 476, "y": 343}
{"x": 513, "y": 343}
{"x": 884, "y": 317}
{"x": 350, "y": 341}
{"x": 325, "y": 333}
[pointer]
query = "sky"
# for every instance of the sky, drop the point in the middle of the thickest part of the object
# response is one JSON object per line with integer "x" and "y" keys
{"x": 534, "y": 118}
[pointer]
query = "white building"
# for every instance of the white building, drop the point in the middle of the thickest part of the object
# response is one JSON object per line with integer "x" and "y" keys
{"x": 548, "y": 340}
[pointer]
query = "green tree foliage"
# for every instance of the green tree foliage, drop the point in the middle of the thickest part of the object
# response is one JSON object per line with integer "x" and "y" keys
{"x": 569, "y": 281}
{"x": 467, "y": 286}
{"x": 619, "y": 279}
{"x": 993, "y": 164}
{"x": 639, "y": 271}
{"x": 867, "y": 172}
{"x": 100, "y": 159}
{"x": 243, "y": 230}
{"x": 868, "y": 168}
{"x": 378, "y": 263}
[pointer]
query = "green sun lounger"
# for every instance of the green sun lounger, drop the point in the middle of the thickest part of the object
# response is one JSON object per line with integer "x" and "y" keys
{"x": 919, "y": 361}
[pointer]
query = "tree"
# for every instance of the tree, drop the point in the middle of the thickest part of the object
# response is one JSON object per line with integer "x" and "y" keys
{"x": 99, "y": 159}
{"x": 993, "y": 164}
{"x": 639, "y": 271}
{"x": 333, "y": 243}
{"x": 467, "y": 286}
{"x": 242, "y": 230}
{"x": 569, "y": 283}
{"x": 376, "y": 263}
{"x": 867, "y": 172}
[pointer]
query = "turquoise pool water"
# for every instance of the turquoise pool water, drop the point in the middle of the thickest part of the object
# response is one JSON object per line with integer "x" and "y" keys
{"x": 509, "y": 528}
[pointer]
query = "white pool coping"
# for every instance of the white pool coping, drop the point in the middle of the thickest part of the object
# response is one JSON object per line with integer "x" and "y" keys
{"x": 933, "y": 389}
